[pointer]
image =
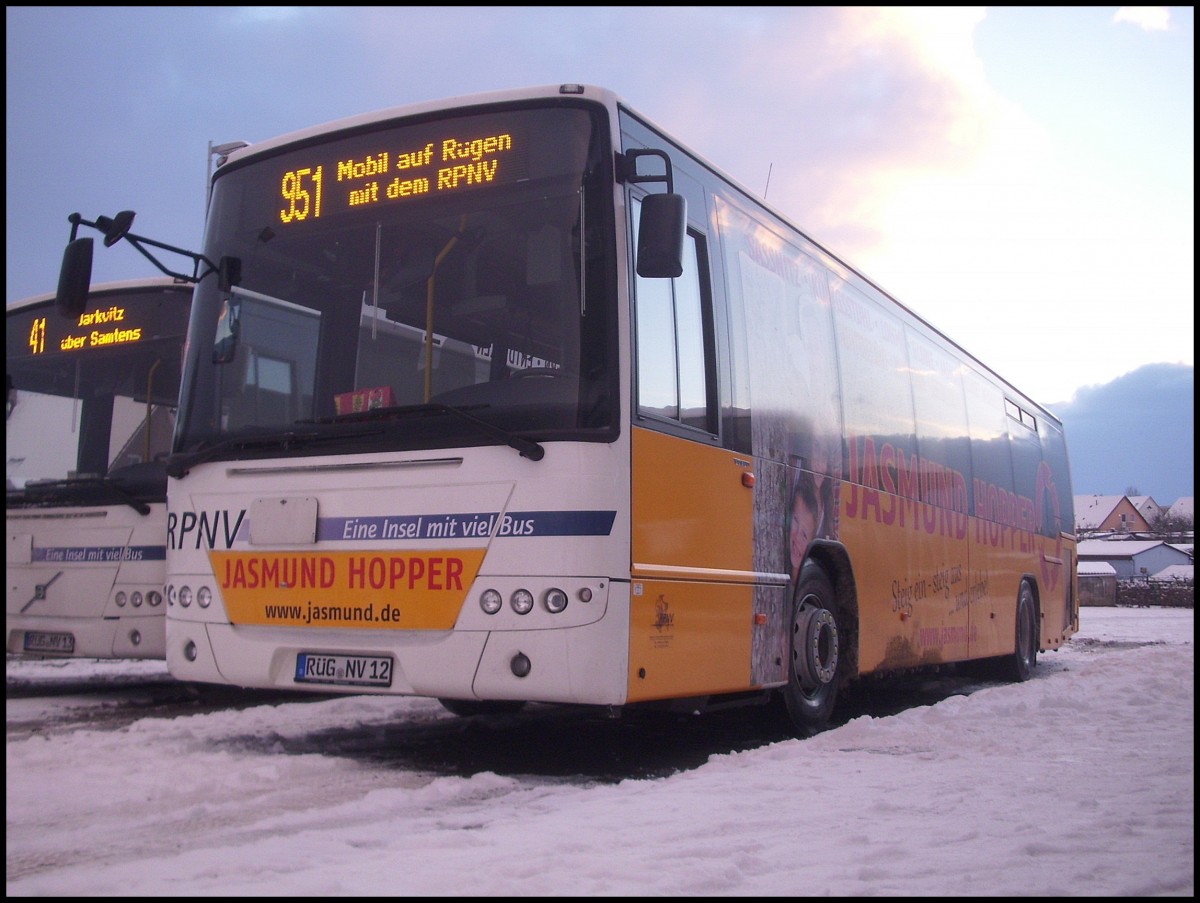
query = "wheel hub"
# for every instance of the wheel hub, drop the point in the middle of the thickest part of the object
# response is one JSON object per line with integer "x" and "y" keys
{"x": 816, "y": 646}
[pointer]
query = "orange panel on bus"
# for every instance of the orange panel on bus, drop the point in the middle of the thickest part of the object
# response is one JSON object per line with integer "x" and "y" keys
{"x": 691, "y": 508}
{"x": 688, "y": 639}
{"x": 692, "y": 594}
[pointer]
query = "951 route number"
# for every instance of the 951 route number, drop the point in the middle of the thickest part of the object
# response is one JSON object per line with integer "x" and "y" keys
{"x": 344, "y": 670}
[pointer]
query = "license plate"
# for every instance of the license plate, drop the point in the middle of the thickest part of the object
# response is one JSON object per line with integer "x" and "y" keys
{"x": 41, "y": 641}
{"x": 346, "y": 670}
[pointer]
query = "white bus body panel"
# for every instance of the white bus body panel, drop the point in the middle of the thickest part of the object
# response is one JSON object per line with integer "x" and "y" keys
{"x": 543, "y": 512}
{"x": 65, "y": 568}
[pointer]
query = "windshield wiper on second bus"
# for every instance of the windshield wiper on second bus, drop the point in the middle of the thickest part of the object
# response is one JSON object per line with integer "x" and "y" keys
{"x": 526, "y": 447}
{"x": 180, "y": 463}
{"x": 65, "y": 490}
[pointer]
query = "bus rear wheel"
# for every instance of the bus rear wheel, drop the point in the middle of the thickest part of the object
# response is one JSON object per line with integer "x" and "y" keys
{"x": 1019, "y": 666}
{"x": 814, "y": 651}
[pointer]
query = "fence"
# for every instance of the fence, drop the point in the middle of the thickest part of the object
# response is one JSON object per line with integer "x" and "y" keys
{"x": 1145, "y": 593}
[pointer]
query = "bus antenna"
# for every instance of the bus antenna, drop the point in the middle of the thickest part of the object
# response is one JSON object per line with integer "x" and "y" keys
{"x": 768, "y": 185}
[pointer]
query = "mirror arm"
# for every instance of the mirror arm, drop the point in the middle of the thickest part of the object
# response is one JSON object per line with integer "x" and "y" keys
{"x": 627, "y": 167}
{"x": 197, "y": 259}
{"x": 138, "y": 241}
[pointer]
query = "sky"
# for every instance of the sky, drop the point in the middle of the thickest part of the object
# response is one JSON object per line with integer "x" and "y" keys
{"x": 1021, "y": 177}
{"x": 1079, "y": 783}
{"x": 1135, "y": 435}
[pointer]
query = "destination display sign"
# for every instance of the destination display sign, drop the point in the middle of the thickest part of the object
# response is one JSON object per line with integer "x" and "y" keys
{"x": 382, "y": 175}
{"x": 384, "y": 168}
{"x": 109, "y": 323}
{"x": 361, "y": 175}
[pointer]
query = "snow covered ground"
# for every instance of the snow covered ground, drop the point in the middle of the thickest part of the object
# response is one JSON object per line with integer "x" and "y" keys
{"x": 1079, "y": 782}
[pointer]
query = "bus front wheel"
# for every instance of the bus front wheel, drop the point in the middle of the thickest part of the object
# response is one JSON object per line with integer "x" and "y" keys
{"x": 814, "y": 651}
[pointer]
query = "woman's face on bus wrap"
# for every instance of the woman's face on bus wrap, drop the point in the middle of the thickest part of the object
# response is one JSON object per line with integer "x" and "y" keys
{"x": 803, "y": 526}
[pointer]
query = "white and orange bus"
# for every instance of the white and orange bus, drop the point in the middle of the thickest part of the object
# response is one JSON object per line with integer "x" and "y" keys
{"x": 513, "y": 398}
{"x": 90, "y": 416}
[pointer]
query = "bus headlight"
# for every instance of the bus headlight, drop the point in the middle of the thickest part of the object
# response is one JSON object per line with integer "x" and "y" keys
{"x": 120, "y": 599}
{"x": 154, "y": 598}
{"x": 521, "y": 601}
{"x": 555, "y": 600}
{"x": 136, "y": 599}
{"x": 490, "y": 601}
{"x": 204, "y": 597}
{"x": 185, "y": 596}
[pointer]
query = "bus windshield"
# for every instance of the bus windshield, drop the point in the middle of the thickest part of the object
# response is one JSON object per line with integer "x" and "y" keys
{"x": 92, "y": 399}
{"x": 391, "y": 278}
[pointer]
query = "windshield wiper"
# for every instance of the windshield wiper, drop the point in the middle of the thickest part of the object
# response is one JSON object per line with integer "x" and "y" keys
{"x": 526, "y": 447}
{"x": 56, "y": 490}
{"x": 180, "y": 463}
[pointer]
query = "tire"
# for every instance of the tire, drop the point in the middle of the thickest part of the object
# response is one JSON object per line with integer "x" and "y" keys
{"x": 467, "y": 708}
{"x": 1019, "y": 666}
{"x": 815, "y": 653}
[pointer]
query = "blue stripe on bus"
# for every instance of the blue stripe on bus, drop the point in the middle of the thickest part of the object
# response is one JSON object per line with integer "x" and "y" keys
{"x": 89, "y": 554}
{"x": 465, "y": 525}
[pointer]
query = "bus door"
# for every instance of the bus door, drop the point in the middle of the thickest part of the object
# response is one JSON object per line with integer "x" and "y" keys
{"x": 691, "y": 594}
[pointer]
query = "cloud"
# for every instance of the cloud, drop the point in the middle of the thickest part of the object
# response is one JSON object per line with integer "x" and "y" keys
{"x": 1147, "y": 18}
{"x": 1138, "y": 430}
{"x": 844, "y": 107}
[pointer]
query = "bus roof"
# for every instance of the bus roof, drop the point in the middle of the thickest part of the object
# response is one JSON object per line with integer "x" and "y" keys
{"x": 105, "y": 288}
{"x": 376, "y": 117}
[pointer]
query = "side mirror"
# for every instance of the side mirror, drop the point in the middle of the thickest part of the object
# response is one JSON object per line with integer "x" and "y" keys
{"x": 75, "y": 278}
{"x": 661, "y": 231}
{"x": 116, "y": 228}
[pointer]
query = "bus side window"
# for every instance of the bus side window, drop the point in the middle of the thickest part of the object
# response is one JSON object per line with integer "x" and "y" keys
{"x": 674, "y": 344}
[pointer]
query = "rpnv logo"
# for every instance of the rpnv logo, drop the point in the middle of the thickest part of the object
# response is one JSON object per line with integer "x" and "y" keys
{"x": 203, "y": 530}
